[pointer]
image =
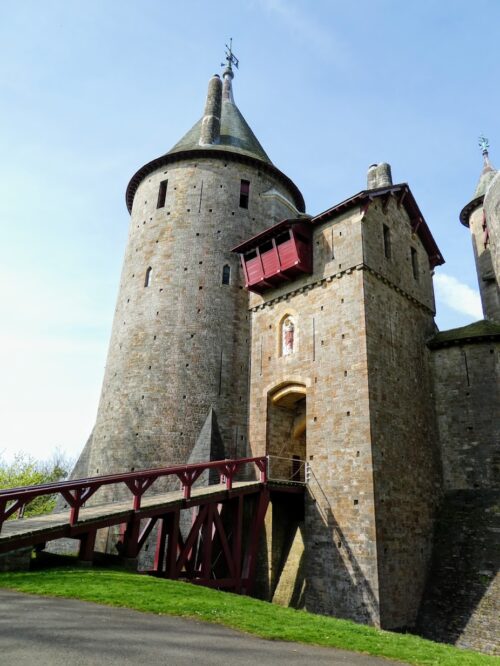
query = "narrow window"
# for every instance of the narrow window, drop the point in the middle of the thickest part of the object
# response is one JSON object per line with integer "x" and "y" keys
{"x": 226, "y": 274}
{"x": 162, "y": 194}
{"x": 287, "y": 336}
{"x": 244, "y": 193}
{"x": 387, "y": 242}
{"x": 414, "y": 263}
{"x": 147, "y": 279}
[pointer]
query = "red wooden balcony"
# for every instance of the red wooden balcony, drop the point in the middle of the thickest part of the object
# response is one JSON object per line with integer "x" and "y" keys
{"x": 276, "y": 255}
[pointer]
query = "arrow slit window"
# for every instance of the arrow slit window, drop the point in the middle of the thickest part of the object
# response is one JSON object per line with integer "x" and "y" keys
{"x": 244, "y": 193}
{"x": 162, "y": 194}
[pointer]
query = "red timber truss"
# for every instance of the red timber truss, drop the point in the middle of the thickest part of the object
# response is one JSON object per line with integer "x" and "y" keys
{"x": 215, "y": 543}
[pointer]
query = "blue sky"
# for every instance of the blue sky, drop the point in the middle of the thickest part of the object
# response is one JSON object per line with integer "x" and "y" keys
{"x": 93, "y": 90}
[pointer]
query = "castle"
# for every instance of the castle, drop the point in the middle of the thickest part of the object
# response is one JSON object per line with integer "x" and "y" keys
{"x": 245, "y": 326}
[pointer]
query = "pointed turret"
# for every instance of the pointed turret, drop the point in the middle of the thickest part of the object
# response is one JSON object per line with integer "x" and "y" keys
{"x": 473, "y": 216}
{"x": 487, "y": 175}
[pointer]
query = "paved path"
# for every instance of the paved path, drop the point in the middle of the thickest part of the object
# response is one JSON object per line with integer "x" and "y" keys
{"x": 64, "y": 632}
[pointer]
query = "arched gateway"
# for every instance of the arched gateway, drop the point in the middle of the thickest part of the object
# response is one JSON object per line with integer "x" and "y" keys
{"x": 286, "y": 430}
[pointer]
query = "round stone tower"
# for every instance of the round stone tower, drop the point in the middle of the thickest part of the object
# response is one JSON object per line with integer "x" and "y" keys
{"x": 175, "y": 384}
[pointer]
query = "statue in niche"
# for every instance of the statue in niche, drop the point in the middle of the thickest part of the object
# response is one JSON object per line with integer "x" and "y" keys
{"x": 288, "y": 336}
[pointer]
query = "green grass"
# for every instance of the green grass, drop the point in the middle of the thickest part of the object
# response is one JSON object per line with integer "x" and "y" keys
{"x": 165, "y": 597}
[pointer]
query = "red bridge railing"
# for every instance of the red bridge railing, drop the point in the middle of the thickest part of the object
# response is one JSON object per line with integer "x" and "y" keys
{"x": 78, "y": 491}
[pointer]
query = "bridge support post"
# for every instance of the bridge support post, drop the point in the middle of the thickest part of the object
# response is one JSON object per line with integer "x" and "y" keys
{"x": 253, "y": 548}
{"x": 87, "y": 545}
{"x": 173, "y": 544}
{"x": 163, "y": 530}
{"x": 131, "y": 539}
{"x": 237, "y": 541}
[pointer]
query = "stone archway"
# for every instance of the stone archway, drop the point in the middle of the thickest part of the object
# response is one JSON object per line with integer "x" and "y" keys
{"x": 286, "y": 430}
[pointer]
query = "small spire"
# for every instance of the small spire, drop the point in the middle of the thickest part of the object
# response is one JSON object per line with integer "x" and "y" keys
{"x": 484, "y": 144}
{"x": 228, "y": 74}
{"x": 231, "y": 59}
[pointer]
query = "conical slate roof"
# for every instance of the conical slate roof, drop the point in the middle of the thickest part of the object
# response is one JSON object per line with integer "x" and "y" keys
{"x": 487, "y": 175}
{"x": 235, "y": 134}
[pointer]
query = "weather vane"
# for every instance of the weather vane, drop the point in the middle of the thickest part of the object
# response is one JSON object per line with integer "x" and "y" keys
{"x": 230, "y": 57}
{"x": 484, "y": 144}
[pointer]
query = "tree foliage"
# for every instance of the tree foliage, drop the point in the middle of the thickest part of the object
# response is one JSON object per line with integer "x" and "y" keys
{"x": 26, "y": 471}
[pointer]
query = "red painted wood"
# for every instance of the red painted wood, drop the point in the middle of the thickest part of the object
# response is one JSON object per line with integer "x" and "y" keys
{"x": 254, "y": 270}
{"x": 221, "y": 533}
{"x": 87, "y": 544}
{"x": 237, "y": 542}
{"x": 158, "y": 566}
{"x": 146, "y": 532}
{"x": 131, "y": 540}
{"x": 270, "y": 262}
{"x": 209, "y": 550}
{"x": 173, "y": 544}
{"x": 77, "y": 492}
{"x": 279, "y": 258}
{"x": 193, "y": 534}
{"x": 287, "y": 254}
{"x": 207, "y": 536}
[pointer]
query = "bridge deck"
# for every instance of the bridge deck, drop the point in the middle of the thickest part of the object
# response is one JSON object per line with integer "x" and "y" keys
{"x": 33, "y": 531}
{"x": 30, "y": 531}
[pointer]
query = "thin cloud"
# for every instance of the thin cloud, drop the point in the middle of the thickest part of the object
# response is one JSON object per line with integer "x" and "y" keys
{"x": 305, "y": 29}
{"x": 458, "y": 296}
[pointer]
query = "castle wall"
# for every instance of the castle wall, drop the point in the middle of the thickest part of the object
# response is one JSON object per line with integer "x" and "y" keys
{"x": 180, "y": 344}
{"x": 462, "y": 600}
{"x": 467, "y": 390}
{"x": 330, "y": 359}
{"x": 399, "y": 320}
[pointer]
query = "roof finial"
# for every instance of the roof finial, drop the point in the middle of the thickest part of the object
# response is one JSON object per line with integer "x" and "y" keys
{"x": 227, "y": 74}
{"x": 231, "y": 59}
{"x": 484, "y": 144}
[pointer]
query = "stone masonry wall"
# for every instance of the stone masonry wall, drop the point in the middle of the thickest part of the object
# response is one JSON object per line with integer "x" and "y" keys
{"x": 462, "y": 600}
{"x": 467, "y": 387}
{"x": 399, "y": 320}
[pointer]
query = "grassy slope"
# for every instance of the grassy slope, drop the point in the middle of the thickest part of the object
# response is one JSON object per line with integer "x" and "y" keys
{"x": 153, "y": 595}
